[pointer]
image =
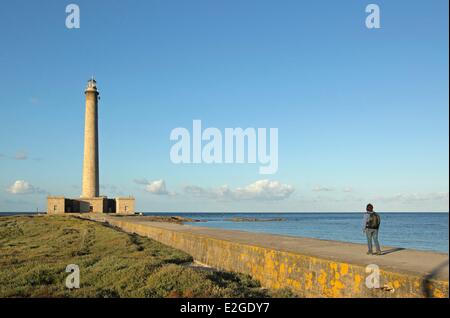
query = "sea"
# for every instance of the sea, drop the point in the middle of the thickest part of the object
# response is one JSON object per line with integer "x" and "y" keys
{"x": 421, "y": 231}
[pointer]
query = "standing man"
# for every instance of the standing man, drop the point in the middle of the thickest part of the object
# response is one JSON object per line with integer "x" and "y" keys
{"x": 371, "y": 224}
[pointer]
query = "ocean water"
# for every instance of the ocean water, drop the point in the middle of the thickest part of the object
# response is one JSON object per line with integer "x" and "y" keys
{"x": 422, "y": 231}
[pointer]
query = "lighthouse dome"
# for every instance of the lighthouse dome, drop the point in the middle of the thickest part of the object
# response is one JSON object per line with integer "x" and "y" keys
{"x": 92, "y": 83}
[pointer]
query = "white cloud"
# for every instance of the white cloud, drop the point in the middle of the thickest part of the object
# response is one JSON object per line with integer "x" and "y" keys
{"x": 441, "y": 196}
{"x": 220, "y": 193}
{"x": 322, "y": 189}
{"x": 266, "y": 190}
{"x": 348, "y": 189}
{"x": 21, "y": 155}
{"x": 263, "y": 190}
{"x": 414, "y": 197}
{"x": 199, "y": 191}
{"x": 23, "y": 187}
{"x": 155, "y": 187}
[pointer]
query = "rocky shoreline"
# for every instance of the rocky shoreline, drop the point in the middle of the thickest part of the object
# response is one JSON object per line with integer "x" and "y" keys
{"x": 256, "y": 220}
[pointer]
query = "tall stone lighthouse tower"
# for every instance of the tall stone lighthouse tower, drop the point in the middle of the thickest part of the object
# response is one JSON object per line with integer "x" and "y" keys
{"x": 90, "y": 184}
{"x": 90, "y": 200}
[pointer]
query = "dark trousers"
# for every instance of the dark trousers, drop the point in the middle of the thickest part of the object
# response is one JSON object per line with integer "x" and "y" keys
{"x": 372, "y": 234}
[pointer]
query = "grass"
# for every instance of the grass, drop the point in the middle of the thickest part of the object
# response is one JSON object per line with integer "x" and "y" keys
{"x": 35, "y": 250}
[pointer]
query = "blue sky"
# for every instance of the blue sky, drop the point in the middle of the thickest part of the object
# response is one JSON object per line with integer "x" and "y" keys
{"x": 362, "y": 114}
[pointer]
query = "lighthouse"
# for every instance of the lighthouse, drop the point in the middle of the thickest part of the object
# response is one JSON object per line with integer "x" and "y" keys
{"x": 90, "y": 182}
{"x": 90, "y": 200}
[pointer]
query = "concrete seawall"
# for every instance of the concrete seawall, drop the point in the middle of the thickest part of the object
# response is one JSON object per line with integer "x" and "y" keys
{"x": 310, "y": 267}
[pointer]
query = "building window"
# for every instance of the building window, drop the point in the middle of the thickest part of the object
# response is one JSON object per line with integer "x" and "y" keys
{"x": 54, "y": 208}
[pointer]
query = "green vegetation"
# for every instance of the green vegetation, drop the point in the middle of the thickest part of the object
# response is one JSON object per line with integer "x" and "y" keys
{"x": 35, "y": 250}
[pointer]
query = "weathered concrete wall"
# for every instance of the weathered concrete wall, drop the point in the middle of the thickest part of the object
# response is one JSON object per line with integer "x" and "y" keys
{"x": 55, "y": 204}
{"x": 308, "y": 276}
{"x": 125, "y": 205}
{"x": 98, "y": 204}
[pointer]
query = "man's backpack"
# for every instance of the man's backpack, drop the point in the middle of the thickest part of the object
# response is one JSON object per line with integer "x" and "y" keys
{"x": 374, "y": 220}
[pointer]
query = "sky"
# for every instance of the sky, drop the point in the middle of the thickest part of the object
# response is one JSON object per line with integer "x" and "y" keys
{"x": 362, "y": 114}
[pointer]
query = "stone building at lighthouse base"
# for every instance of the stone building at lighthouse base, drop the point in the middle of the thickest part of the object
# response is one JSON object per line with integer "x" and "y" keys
{"x": 61, "y": 204}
